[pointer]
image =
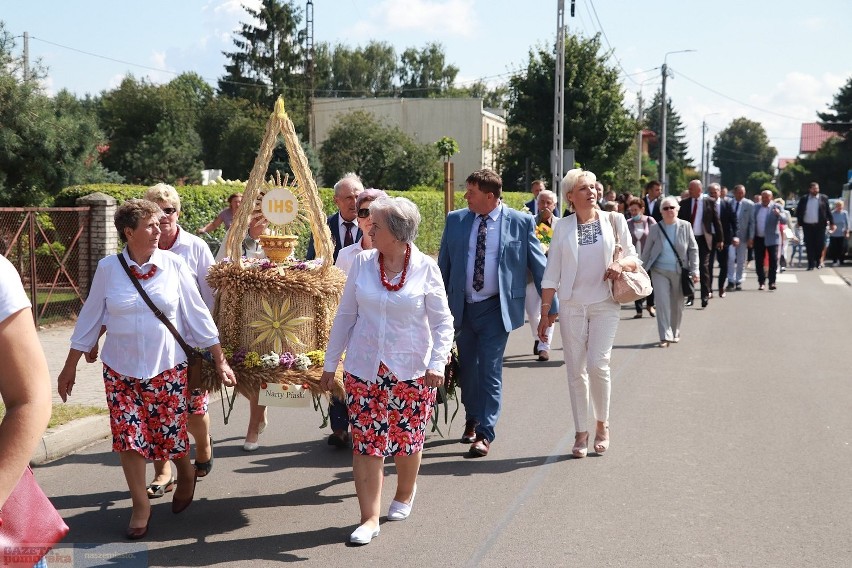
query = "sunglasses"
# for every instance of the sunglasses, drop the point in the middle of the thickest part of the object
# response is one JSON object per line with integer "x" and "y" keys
{"x": 364, "y": 212}
{"x": 667, "y": 208}
{"x": 169, "y": 210}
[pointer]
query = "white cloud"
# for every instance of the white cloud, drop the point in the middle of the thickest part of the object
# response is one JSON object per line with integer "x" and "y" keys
{"x": 435, "y": 17}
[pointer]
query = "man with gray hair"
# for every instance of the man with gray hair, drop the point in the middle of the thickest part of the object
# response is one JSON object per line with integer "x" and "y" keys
{"x": 738, "y": 251}
{"x": 343, "y": 224}
{"x": 729, "y": 228}
{"x": 344, "y": 232}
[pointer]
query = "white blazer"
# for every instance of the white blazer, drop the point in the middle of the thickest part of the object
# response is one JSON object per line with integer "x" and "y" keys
{"x": 561, "y": 269}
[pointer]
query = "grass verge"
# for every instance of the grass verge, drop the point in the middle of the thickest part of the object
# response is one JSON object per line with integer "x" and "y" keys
{"x": 65, "y": 413}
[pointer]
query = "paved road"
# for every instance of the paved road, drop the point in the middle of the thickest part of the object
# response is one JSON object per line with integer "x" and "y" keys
{"x": 731, "y": 448}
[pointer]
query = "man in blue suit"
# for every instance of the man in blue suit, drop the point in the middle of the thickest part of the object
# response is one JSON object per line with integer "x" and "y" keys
{"x": 535, "y": 188}
{"x": 344, "y": 232}
{"x": 486, "y": 251}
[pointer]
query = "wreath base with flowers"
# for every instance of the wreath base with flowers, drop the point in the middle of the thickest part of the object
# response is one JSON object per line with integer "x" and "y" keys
{"x": 250, "y": 379}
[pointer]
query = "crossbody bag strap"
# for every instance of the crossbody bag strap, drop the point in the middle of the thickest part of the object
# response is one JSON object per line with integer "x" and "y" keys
{"x": 159, "y": 314}
{"x": 674, "y": 250}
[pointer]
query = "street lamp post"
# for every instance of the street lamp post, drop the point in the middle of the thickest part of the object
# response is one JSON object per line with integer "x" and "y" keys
{"x": 705, "y": 164}
{"x": 663, "y": 109}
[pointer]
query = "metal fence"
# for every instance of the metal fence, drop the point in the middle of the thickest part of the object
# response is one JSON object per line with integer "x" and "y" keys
{"x": 44, "y": 245}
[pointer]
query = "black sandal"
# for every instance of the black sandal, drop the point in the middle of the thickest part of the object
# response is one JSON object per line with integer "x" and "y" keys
{"x": 155, "y": 491}
{"x": 203, "y": 468}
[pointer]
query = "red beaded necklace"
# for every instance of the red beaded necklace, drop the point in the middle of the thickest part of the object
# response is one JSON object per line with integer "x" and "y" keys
{"x": 151, "y": 272}
{"x": 163, "y": 246}
{"x": 385, "y": 283}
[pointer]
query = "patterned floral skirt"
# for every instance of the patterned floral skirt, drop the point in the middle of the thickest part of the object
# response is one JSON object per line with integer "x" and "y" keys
{"x": 148, "y": 415}
{"x": 388, "y": 417}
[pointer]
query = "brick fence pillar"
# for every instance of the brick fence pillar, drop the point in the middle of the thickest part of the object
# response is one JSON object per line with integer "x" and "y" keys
{"x": 101, "y": 239}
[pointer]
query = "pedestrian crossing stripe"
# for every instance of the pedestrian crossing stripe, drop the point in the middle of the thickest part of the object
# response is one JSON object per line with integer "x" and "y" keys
{"x": 832, "y": 279}
{"x": 787, "y": 278}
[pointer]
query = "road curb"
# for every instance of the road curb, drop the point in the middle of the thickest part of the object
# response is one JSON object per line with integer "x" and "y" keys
{"x": 66, "y": 439}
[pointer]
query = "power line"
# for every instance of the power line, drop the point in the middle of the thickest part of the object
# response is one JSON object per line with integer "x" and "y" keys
{"x": 591, "y": 4}
{"x": 724, "y": 96}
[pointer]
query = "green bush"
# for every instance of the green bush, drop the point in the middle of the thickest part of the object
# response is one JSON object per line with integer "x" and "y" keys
{"x": 201, "y": 204}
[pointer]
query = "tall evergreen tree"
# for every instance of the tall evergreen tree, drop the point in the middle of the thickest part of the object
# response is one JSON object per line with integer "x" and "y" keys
{"x": 677, "y": 158}
{"x": 268, "y": 59}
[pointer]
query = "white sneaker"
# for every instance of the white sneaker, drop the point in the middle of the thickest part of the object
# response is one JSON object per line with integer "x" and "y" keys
{"x": 363, "y": 535}
{"x": 399, "y": 511}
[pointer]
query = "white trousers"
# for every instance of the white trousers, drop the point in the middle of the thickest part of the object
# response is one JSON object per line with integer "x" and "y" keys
{"x": 588, "y": 333}
{"x": 532, "y": 303}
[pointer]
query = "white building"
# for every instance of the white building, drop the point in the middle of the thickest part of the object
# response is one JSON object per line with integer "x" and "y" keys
{"x": 476, "y": 130}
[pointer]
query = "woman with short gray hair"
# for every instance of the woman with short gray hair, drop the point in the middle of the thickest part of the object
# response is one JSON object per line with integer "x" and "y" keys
{"x": 664, "y": 255}
{"x": 396, "y": 328}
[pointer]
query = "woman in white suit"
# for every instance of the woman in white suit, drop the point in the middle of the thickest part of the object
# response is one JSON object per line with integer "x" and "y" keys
{"x": 580, "y": 266}
{"x": 661, "y": 262}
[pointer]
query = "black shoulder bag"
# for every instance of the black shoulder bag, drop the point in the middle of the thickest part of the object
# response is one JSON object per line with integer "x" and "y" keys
{"x": 687, "y": 286}
{"x": 193, "y": 357}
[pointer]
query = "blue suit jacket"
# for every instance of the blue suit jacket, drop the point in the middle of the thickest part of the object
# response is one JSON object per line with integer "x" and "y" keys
{"x": 520, "y": 251}
{"x": 333, "y": 226}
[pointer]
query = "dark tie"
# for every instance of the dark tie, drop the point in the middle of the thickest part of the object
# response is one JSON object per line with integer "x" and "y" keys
{"x": 736, "y": 208}
{"x": 694, "y": 209}
{"x": 479, "y": 262}
{"x": 348, "y": 240}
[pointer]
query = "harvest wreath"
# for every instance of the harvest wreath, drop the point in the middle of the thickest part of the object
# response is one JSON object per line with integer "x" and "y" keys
{"x": 274, "y": 316}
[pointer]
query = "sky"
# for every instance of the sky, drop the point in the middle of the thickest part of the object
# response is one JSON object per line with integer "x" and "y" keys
{"x": 776, "y": 62}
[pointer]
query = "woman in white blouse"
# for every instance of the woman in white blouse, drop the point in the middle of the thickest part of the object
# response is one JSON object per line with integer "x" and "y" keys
{"x": 144, "y": 367}
{"x": 347, "y": 255}
{"x": 394, "y": 324}
{"x": 580, "y": 266}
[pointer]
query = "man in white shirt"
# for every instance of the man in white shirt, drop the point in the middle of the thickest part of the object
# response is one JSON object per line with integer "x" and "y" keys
{"x": 814, "y": 216}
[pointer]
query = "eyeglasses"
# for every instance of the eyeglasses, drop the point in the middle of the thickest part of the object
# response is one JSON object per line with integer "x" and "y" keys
{"x": 169, "y": 210}
{"x": 364, "y": 212}
{"x": 668, "y": 208}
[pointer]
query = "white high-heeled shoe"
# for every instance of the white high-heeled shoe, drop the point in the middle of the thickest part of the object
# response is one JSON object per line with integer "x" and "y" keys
{"x": 399, "y": 511}
{"x": 253, "y": 446}
{"x": 363, "y": 535}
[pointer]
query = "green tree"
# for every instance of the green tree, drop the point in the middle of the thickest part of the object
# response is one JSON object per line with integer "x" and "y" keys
{"x": 446, "y": 148}
{"x": 424, "y": 72}
{"x": 839, "y": 117}
{"x": 793, "y": 179}
{"x": 370, "y": 71}
{"x": 597, "y": 126}
{"x": 268, "y": 59}
{"x": 741, "y": 149}
{"x": 152, "y": 129}
{"x": 755, "y": 182}
{"x": 677, "y": 159}
{"x": 492, "y": 97}
{"x": 828, "y": 166}
{"x": 382, "y": 155}
{"x": 45, "y": 144}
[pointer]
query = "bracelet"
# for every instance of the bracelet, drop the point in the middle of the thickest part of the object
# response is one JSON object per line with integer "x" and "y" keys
{"x": 543, "y": 305}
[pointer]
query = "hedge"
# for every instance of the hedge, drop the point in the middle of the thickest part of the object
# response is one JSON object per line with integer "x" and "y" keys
{"x": 200, "y": 205}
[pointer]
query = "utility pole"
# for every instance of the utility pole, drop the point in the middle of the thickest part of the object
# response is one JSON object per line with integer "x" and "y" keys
{"x": 639, "y": 142}
{"x": 26, "y": 56}
{"x": 663, "y": 109}
{"x": 663, "y": 123}
{"x": 703, "y": 176}
{"x": 557, "y": 167}
{"x": 309, "y": 72}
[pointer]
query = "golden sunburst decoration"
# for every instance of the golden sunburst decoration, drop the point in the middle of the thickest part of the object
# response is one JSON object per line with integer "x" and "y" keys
{"x": 278, "y": 324}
